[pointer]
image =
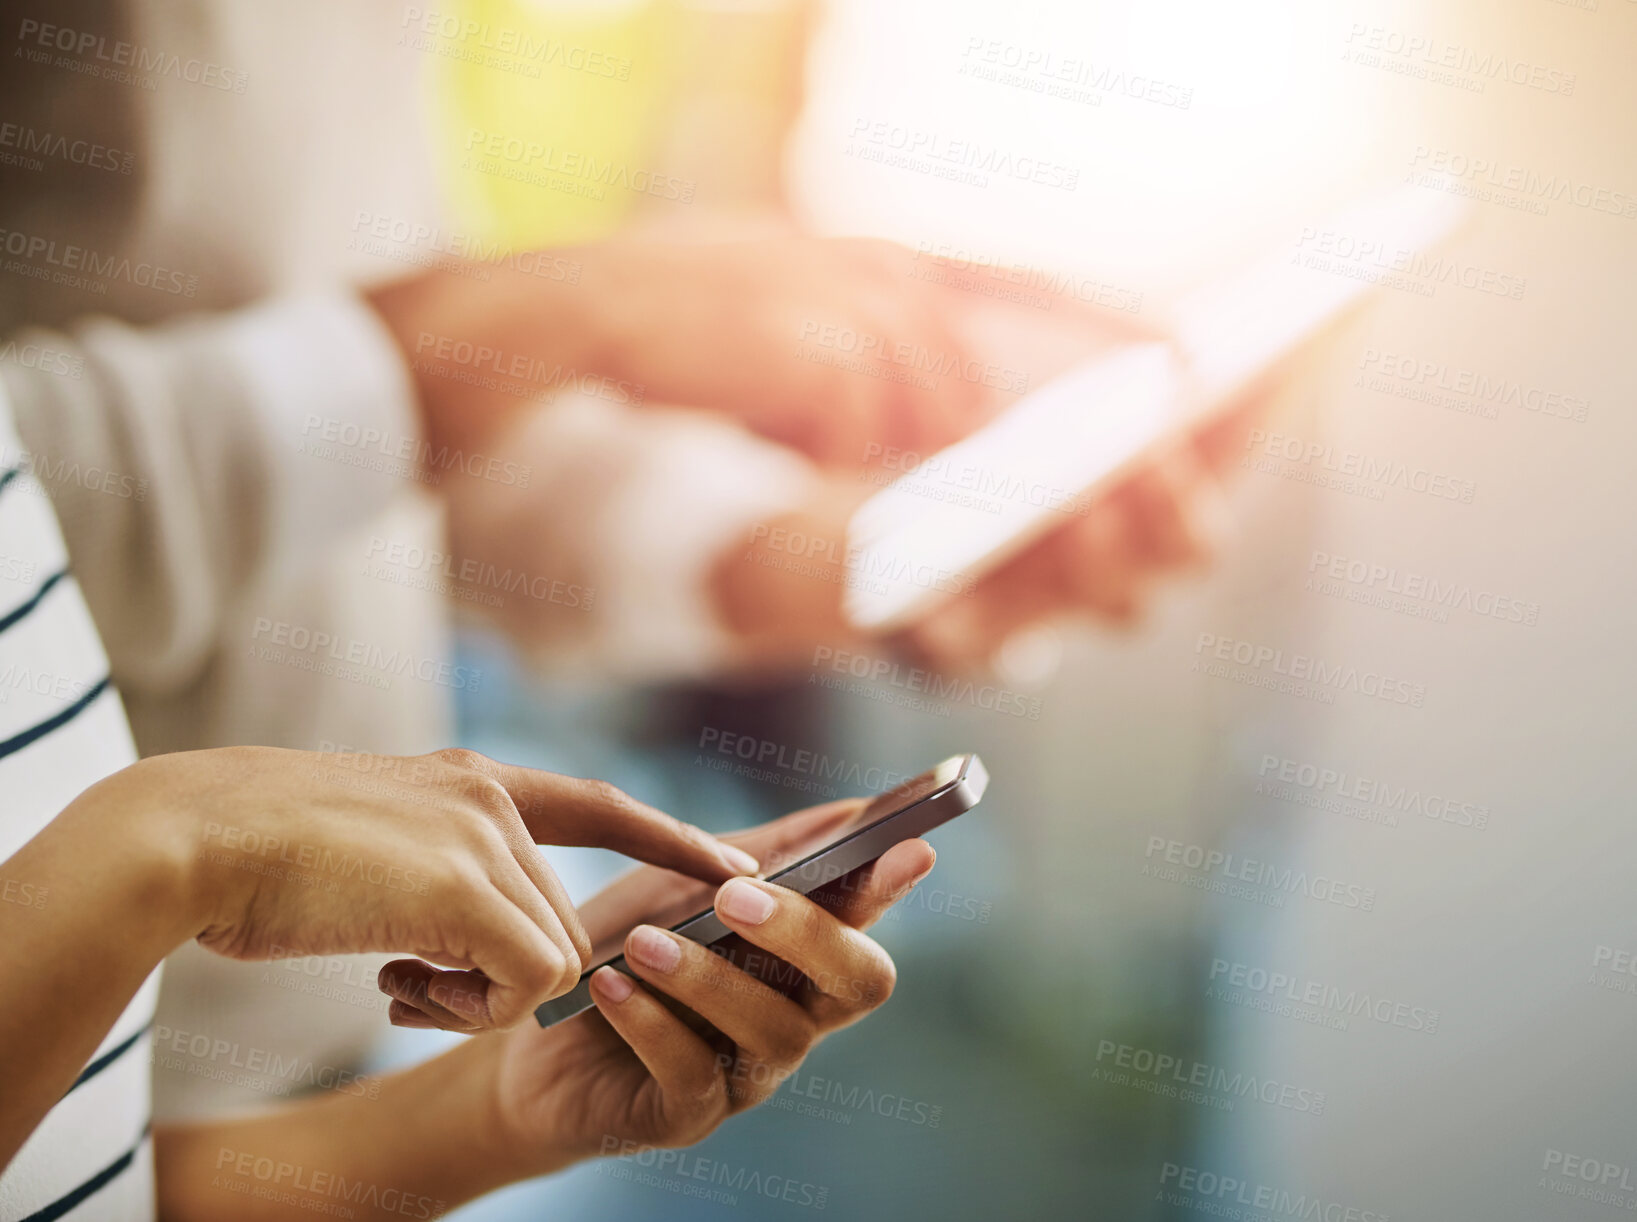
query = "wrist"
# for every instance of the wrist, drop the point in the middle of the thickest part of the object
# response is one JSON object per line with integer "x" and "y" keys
{"x": 482, "y": 341}
{"x": 779, "y": 589}
{"x": 413, "y": 310}
{"x": 491, "y": 1140}
{"x": 131, "y": 821}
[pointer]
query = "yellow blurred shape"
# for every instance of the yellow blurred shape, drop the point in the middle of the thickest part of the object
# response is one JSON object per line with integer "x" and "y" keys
{"x": 578, "y": 85}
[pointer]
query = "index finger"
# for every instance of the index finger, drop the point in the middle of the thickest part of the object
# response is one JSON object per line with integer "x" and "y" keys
{"x": 568, "y": 810}
{"x": 636, "y": 894}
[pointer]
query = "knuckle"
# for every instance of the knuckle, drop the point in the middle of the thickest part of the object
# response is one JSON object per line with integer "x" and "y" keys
{"x": 463, "y": 758}
{"x": 482, "y": 848}
{"x": 462, "y": 879}
{"x": 547, "y": 975}
{"x": 813, "y": 925}
{"x": 488, "y": 795}
{"x": 706, "y": 1088}
{"x": 603, "y": 794}
{"x": 789, "y": 1043}
{"x": 580, "y": 939}
{"x": 877, "y": 976}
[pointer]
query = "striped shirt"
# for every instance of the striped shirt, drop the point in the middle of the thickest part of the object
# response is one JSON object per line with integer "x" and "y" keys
{"x": 62, "y": 729}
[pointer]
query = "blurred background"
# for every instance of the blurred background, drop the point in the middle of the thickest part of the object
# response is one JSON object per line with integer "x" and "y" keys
{"x": 1452, "y": 1045}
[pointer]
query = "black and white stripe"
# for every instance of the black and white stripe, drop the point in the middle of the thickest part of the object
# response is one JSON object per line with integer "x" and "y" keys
{"x": 62, "y": 728}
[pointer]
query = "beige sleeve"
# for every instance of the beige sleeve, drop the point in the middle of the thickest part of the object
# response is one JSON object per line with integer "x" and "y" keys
{"x": 191, "y": 460}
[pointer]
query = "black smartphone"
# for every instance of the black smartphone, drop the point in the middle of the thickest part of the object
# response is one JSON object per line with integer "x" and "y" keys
{"x": 902, "y": 813}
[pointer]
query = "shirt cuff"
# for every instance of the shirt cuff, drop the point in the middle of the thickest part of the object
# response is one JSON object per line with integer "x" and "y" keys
{"x": 669, "y": 524}
{"x": 335, "y": 408}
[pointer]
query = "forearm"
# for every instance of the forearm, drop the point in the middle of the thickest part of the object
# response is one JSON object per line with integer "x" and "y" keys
{"x": 621, "y": 527}
{"x": 426, "y": 1141}
{"x": 107, "y": 911}
{"x": 778, "y": 588}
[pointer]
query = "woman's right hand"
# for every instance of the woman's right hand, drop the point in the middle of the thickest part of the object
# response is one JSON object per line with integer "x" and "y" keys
{"x": 286, "y": 853}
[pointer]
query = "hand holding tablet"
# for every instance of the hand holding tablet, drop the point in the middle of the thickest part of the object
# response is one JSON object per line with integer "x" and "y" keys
{"x": 1065, "y": 444}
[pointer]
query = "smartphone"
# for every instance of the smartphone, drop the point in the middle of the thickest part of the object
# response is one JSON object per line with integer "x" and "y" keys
{"x": 965, "y": 510}
{"x": 902, "y": 813}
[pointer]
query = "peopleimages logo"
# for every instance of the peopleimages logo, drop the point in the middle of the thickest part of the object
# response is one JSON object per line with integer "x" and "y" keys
{"x": 536, "y": 373}
{"x": 956, "y": 159}
{"x": 43, "y": 357}
{"x": 962, "y": 268}
{"x": 1260, "y": 988}
{"x": 1332, "y": 788}
{"x": 922, "y": 682}
{"x": 288, "y": 642}
{"x": 267, "y": 1070}
{"x": 986, "y": 484}
{"x": 481, "y": 42}
{"x": 54, "y": 469}
{"x": 1365, "y": 258}
{"x": 1413, "y": 377}
{"x": 37, "y": 257}
{"x": 1590, "y": 1179}
{"x": 1073, "y": 78}
{"x": 1426, "y": 57}
{"x": 1364, "y": 470}
{"x": 391, "y": 236}
{"x": 683, "y": 1165}
{"x": 32, "y": 143}
{"x": 1222, "y": 1195}
{"x": 1304, "y": 669}
{"x": 116, "y": 60}
{"x": 268, "y": 1179}
{"x": 1484, "y": 178}
{"x": 802, "y": 769}
{"x": 544, "y": 164}
{"x": 1172, "y": 1076}
{"x": 1374, "y": 581}
{"x": 1231, "y": 867}
{"x": 914, "y": 358}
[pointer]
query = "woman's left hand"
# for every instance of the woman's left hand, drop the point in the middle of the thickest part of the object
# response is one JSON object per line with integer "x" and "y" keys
{"x": 688, "y": 1039}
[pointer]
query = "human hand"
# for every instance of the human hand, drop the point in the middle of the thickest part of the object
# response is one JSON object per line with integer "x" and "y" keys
{"x": 824, "y": 344}
{"x": 780, "y": 589}
{"x": 666, "y": 1057}
{"x": 306, "y": 853}
{"x": 1168, "y": 516}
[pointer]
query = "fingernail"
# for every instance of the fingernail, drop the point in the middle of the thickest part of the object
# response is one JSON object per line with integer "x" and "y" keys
{"x": 740, "y": 860}
{"x": 744, "y": 902}
{"x": 653, "y": 948}
{"x": 611, "y": 984}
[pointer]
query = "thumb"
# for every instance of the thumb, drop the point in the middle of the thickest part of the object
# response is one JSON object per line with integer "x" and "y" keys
{"x": 860, "y": 898}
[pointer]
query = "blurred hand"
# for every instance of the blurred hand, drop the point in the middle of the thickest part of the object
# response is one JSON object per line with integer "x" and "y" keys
{"x": 781, "y": 589}
{"x": 824, "y": 344}
{"x": 1168, "y": 517}
{"x": 689, "y": 1038}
